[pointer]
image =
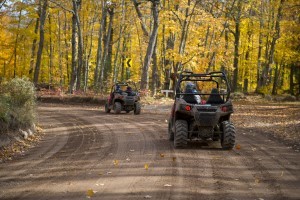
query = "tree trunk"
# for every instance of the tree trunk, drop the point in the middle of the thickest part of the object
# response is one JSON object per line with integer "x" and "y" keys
{"x": 183, "y": 37}
{"x": 292, "y": 79}
{"x": 151, "y": 45}
{"x": 275, "y": 37}
{"x": 116, "y": 58}
{"x": 99, "y": 49}
{"x": 154, "y": 70}
{"x": 274, "y": 89}
{"x": 66, "y": 48}
{"x": 106, "y": 47}
{"x": 50, "y": 53}
{"x": 33, "y": 47}
{"x": 76, "y": 7}
{"x": 236, "y": 47}
{"x": 260, "y": 46}
{"x": 16, "y": 43}
{"x": 60, "y": 52}
{"x": 140, "y": 16}
{"x": 41, "y": 42}
{"x": 88, "y": 56}
{"x": 74, "y": 56}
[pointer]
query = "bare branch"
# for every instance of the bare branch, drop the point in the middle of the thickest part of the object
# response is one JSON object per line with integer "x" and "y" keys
{"x": 180, "y": 21}
{"x": 61, "y": 6}
{"x": 2, "y": 3}
{"x": 140, "y": 16}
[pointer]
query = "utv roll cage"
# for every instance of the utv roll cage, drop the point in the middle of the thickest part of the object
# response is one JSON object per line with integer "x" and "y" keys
{"x": 207, "y": 77}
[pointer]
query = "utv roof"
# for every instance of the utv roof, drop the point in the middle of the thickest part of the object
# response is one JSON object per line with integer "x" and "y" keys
{"x": 187, "y": 75}
{"x": 121, "y": 83}
{"x": 205, "y": 77}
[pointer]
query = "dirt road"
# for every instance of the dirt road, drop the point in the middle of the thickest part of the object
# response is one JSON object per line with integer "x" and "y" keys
{"x": 87, "y": 153}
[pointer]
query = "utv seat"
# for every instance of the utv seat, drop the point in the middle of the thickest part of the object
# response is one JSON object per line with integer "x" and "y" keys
{"x": 215, "y": 97}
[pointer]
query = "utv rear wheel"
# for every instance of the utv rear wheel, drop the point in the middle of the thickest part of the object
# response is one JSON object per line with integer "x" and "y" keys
{"x": 107, "y": 110}
{"x": 117, "y": 107}
{"x": 170, "y": 132}
{"x": 137, "y": 108}
{"x": 181, "y": 134}
{"x": 228, "y": 135}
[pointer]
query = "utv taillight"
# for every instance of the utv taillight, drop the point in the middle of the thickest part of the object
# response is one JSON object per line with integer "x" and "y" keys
{"x": 188, "y": 108}
{"x": 224, "y": 108}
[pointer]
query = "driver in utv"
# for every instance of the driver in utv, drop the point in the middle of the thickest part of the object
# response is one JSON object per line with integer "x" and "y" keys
{"x": 190, "y": 88}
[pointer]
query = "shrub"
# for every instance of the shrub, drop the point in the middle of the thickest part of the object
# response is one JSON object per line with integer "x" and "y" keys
{"x": 4, "y": 111}
{"x": 17, "y": 103}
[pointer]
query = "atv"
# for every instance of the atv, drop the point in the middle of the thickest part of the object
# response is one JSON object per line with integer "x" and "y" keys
{"x": 123, "y": 98}
{"x": 202, "y": 110}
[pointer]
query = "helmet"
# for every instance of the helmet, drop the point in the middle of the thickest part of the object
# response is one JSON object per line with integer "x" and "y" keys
{"x": 190, "y": 86}
{"x": 129, "y": 88}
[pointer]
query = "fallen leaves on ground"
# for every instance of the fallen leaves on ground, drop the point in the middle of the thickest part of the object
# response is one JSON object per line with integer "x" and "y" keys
{"x": 116, "y": 163}
{"x": 90, "y": 193}
{"x": 146, "y": 166}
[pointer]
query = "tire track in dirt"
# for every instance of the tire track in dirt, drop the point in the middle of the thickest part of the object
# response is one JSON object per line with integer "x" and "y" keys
{"x": 82, "y": 143}
{"x": 53, "y": 164}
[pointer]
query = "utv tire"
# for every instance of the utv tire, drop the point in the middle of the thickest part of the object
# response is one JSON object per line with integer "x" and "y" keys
{"x": 181, "y": 134}
{"x": 117, "y": 107}
{"x": 137, "y": 108}
{"x": 228, "y": 135}
{"x": 107, "y": 110}
{"x": 170, "y": 132}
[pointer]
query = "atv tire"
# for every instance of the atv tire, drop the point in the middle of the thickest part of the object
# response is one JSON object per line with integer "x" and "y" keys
{"x": 107, "y": 110}
{"x": 170, "y": 132}
{"x": 181, "y": 134}
{"x": 118, "y": 107}
{"x": 137, "y": 108}
{"x": 228, "y": 135}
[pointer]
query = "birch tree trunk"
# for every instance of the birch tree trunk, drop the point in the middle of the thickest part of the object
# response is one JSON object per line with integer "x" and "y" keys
{"x": 99, "y": 49}
{"x": 74, "y": 56}
{"x": 151, "y": 45}
{"x": 76, "y": 8}
{"x": 154, "y": 70}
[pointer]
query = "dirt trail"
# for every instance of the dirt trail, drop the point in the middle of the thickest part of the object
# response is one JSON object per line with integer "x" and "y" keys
{"x": 129, "y": 157}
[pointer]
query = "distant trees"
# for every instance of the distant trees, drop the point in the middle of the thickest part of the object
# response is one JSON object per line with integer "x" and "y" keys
{"x": 81, "y": 45}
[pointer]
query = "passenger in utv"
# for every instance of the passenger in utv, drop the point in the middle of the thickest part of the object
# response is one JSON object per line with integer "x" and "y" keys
{"x": 215, "y": 97}
{"x": 129, "y": 91}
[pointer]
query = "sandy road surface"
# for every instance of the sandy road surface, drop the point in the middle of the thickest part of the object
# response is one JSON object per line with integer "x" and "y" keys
{"x": 129, "y": 157}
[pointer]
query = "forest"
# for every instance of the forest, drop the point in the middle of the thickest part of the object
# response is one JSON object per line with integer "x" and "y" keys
{"x": 87, "y": 45}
